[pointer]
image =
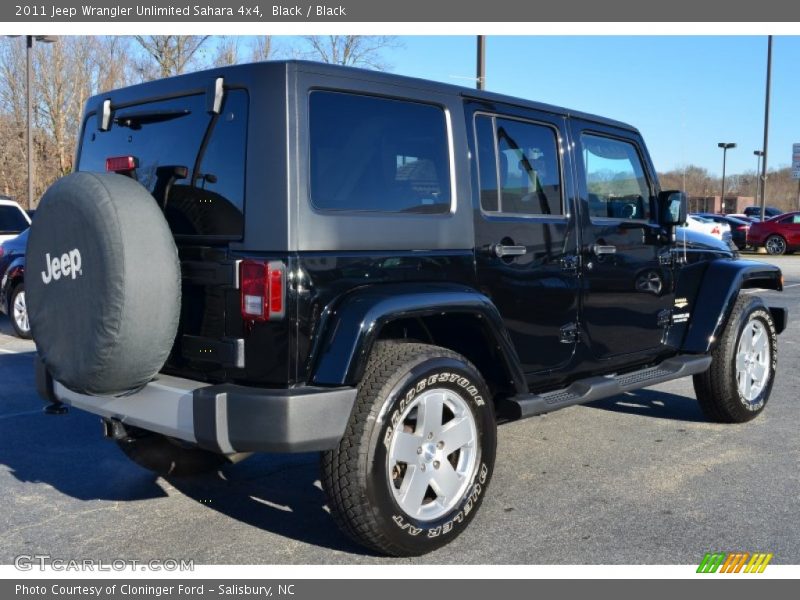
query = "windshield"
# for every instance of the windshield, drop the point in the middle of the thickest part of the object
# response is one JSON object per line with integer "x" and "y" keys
{"x": 12, "y": 220}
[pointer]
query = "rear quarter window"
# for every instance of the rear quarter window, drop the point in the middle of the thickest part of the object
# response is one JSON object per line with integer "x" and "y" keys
{"x": 377, "y": 154}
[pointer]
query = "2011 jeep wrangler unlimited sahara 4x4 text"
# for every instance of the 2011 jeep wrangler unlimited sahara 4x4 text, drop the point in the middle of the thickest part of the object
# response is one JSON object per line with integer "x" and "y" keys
{"x": 293, "y": 257}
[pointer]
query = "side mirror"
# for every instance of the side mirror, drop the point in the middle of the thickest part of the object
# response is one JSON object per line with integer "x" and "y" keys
{"x": 672, "y": 208}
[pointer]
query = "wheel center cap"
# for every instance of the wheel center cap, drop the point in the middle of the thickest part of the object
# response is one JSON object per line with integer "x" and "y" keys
{"x": 428, "y": 452}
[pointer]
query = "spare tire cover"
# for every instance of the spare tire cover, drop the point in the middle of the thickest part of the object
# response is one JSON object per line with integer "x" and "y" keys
{"x": 102, "y": 284}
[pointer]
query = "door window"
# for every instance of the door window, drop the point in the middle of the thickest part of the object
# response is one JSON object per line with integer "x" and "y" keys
{"x": 518, "y": 167}
{"x": 615, "y": 179}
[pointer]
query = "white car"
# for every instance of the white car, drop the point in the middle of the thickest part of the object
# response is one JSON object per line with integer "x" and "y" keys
{"x": 721, "y": 231}
{"x": 13, "y": 220}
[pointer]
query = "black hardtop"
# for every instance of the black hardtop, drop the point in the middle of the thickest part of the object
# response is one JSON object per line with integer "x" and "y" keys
{"x": 256, "y": 75}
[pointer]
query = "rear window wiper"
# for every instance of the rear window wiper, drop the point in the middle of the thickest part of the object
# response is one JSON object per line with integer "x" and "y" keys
{"x": 135, "y": 120}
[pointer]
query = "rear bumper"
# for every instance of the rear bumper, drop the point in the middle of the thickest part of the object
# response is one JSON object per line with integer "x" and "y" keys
{"x": 223, "y": 418}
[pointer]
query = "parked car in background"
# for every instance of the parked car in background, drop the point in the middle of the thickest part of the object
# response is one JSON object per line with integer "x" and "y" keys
{"x": 738, "y": 227}
{"x": 12, "y": 283}
{"x": 721, "y": 231}
{"x": 769, "y": 211}
{"x": 779, "y": 235}
{"x": 13, "y": 220}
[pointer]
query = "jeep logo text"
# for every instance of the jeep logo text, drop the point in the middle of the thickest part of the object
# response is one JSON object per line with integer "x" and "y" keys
{"x": 68, "y": 264}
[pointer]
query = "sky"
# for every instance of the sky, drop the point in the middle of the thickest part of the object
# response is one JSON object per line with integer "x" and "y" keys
{"x": 685, "y": 94}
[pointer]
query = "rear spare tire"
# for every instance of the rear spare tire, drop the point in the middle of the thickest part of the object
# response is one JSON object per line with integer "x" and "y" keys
{"x": 103, "y": 283}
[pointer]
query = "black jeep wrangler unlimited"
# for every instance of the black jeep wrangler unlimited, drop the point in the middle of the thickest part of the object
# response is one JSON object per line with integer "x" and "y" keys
{"x": 294, "y": 257}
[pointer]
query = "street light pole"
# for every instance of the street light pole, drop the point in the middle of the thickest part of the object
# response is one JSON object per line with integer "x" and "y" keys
{"x": 29, "y": 39}
{"x": 29, "y": 99}
{"x": 725, "y": 147}
{"x": 759, "y": 154}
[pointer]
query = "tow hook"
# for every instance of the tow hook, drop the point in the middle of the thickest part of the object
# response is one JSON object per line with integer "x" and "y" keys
{"x": 56, "y": 408}
{"x": 114, "y": 429}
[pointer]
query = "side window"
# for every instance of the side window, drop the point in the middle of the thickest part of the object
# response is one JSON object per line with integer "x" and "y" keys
{"x": 615, "y": 179}
{"x": 518, "y": 167}
{"x": 377, "y": 154}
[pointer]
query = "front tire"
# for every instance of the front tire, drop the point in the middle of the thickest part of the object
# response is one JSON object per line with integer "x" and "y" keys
{"x": 737, "y": 385}
{"x": 18, "y": 311}
{"x": 418, "y": 452}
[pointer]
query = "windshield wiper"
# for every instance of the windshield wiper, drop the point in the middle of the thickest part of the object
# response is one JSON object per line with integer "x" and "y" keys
{"x": 135, "y": 120}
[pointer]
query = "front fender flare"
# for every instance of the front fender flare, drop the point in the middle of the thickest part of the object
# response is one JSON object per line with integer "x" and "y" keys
{"x": 350, "y": 327}
{"x": 721, "y": 284}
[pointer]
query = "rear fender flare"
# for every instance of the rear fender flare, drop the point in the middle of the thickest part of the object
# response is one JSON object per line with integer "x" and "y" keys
{"x": 351, "y": 326}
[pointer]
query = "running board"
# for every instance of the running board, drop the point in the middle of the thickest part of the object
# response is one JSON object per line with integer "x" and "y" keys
{"x": 595, "y": 388}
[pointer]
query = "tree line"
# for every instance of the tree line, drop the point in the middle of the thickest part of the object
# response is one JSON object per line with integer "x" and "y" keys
{"x": 781, "y": 189}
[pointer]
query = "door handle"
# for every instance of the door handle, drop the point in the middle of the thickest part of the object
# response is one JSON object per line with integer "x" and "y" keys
{"x": 501, "y": 250}
{"x": 601, "y": 250}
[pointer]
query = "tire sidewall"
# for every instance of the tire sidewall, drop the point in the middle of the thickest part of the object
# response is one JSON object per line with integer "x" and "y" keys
{"x": 419, "y": 537}
{"x": 19, "y": 288}
{"x": 755, "y": 310}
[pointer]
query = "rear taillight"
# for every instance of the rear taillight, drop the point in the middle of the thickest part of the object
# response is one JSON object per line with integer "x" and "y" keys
{"x": 742, "y": 228}
{"x": 263, "y": 290}
{"x": 121, "y": 164}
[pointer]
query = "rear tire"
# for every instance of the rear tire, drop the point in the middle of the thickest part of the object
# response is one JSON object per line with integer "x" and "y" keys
{"x": 18, "y": 312}
{"x": 418, "y": 452}
{"x": 775, "y": 245}
{"x": 166, "y": 456}
{"x": 737, "y": 385}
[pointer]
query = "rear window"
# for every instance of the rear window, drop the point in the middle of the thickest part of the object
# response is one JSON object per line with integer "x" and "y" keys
{"x": 177, "y": 137}
{"x": 378, "y": 154}
{"x": 12, "y": 220}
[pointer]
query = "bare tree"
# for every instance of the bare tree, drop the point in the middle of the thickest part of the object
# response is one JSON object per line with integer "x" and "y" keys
{"x": 66, "y": 74}
{"x": 227, "y": 52}
{"x": 115, "y": 69}
{"x": 262, "y": 48}
{"x": 173, "y": 54}
{"x": 351, "y": 50}
{"x": 65, "y": 79}
{"x": 13, "y": 149}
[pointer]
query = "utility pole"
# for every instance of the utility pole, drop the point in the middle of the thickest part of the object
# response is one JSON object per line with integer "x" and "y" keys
{"x": 759, "y": 154}
{"x": 481, "y": 64}
{"x": 766, "y": 131}
{"x": 725, "y": 147}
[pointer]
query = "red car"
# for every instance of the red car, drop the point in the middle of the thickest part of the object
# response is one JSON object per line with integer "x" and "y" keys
{"x": 779, "y": 235}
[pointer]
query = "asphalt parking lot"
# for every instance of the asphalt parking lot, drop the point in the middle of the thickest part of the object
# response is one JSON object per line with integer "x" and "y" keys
{"x": 636, "y": 479}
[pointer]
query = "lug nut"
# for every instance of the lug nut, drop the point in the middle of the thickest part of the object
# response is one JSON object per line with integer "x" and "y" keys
{"x": 422, "y": 467}
{"x": 430, "y": 435}
{"x": 419, "y": 450}
{"x": 440, "y": 445}
{"x": 436, "y": 464}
